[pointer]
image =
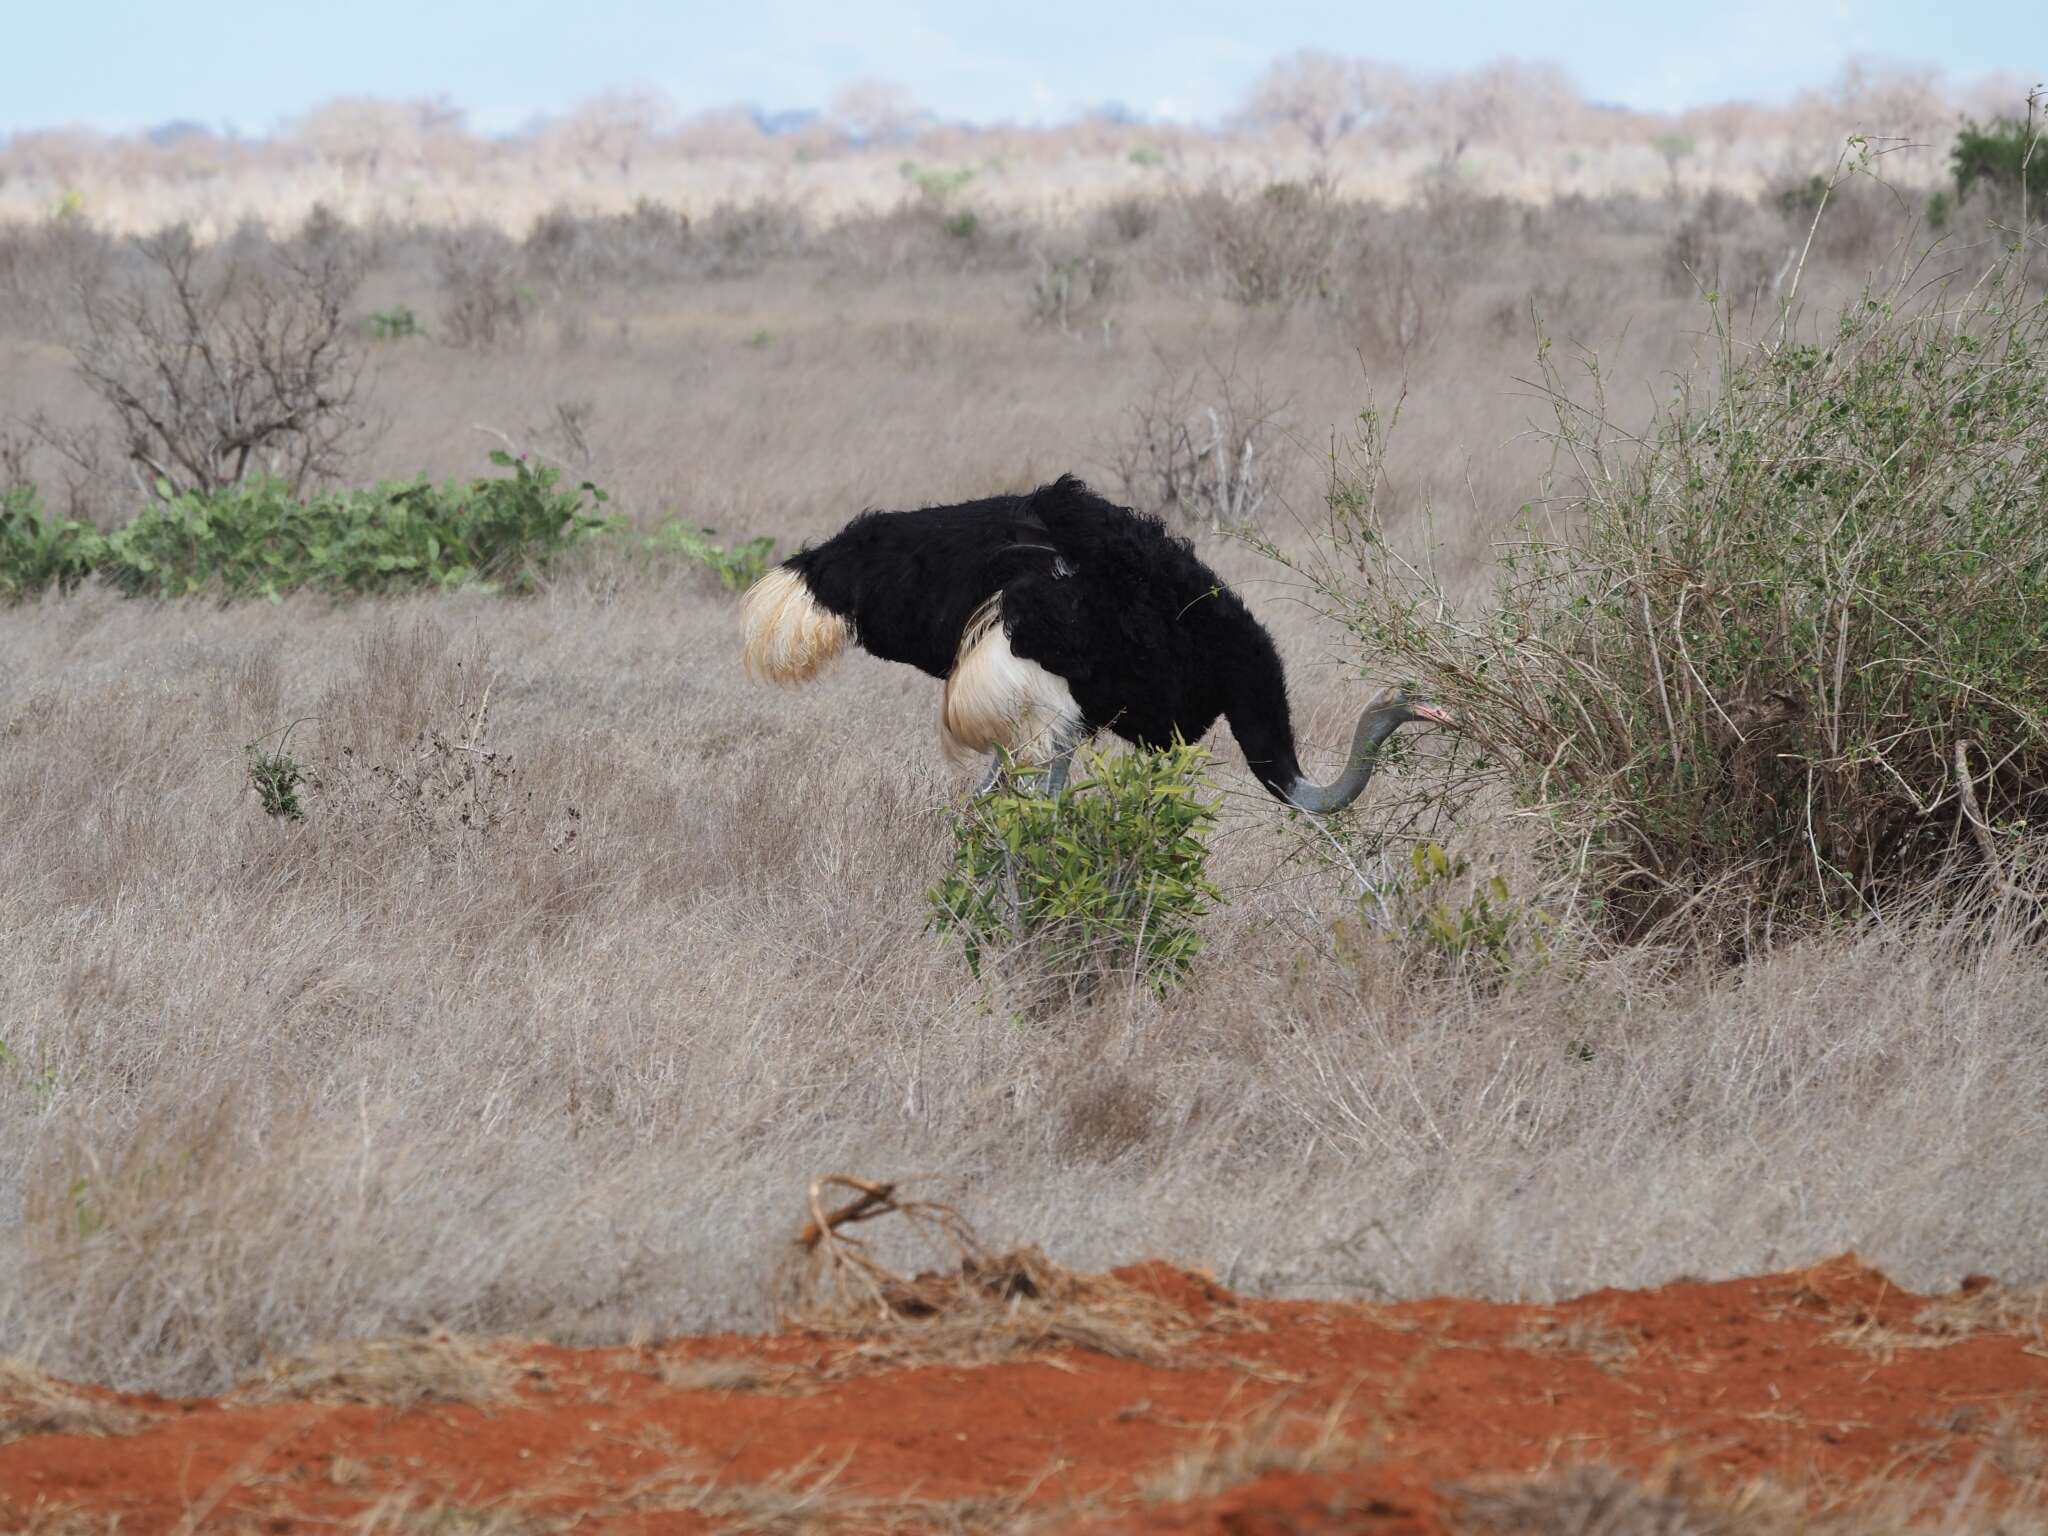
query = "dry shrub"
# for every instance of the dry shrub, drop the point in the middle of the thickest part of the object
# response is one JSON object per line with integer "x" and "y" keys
{"x": 1728, "y": 245}
{"x": 1125, "y": 220}
{"x": 571, "y": 253}
{"x": 1406, "y": 270}
{"x": 1277, "y": 245}
{"x": 485, "y": 301}
{"x": 735, "y": 240}
{"x": 46, "y": 269}
{"x": 1200, "y": 447}
{"x": 1072, "y": 289}
{"x": 34, "y": 1403}
{"x": 1780, "y": 657}
{"x": 438, "y": 1367}
{"x": 975, "y": 1305}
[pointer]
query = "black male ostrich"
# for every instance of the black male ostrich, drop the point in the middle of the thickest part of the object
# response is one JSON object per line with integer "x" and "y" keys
{"x": 1051, "y": 616}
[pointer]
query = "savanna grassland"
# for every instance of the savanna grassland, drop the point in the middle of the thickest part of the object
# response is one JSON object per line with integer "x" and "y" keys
{"x": 585, "y": 954}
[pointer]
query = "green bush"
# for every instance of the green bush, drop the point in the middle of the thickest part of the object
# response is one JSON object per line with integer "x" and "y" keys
{"x": 38, "y": 551}
{"x": 395, "y": 324}
{"x": 257, "y": 539}
{"x": 1997, "y": 157}
{"x": 1107, "y": 878}
{"x": 1786, "y": 653}
{"x": 737, "y": 568}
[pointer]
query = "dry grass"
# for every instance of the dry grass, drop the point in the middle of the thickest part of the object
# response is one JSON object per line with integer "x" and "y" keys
{"x": 1272, "y": 1439}
{"x": 389, "y": 1373}
{"x": 426, "y": 1058}
{"x": 1588, "y": 1338}
{"x": 1594, "y": 1500}
{"x": 35, "y": 1403}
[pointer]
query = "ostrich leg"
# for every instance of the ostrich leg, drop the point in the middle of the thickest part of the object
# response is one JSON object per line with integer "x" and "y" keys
{"x": 1066, "y": 738}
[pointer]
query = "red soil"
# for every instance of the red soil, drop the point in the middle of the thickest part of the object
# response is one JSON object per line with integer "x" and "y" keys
{"x": 1825, "y": 1380}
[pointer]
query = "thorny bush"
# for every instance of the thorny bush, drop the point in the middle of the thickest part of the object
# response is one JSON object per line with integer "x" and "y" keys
{"x": 1784, "y": 655}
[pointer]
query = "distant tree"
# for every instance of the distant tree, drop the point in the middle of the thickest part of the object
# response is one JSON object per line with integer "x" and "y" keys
{"x": 609, "y": 130}
{"x": 875, "y": 111}
{"x": 1319, "y": 95}
{"x": 366, "y": 135}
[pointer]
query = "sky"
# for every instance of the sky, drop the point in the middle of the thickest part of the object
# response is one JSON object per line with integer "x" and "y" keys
{"x": 119, "y": 65}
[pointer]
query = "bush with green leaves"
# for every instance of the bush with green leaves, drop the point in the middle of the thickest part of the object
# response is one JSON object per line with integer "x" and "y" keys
{"x": 257, "y": 539}
{"x": 1458, "y": 920}
{"x": 38, "y": 551}
{"x": 1106, "y": 878}
{"x": 1781, "y": 656}
{"x": 2001, "y": 157}
{"x": 737, "y": 568}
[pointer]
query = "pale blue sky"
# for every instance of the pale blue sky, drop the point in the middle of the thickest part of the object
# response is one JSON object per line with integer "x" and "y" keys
{"x": 123, "y": 64}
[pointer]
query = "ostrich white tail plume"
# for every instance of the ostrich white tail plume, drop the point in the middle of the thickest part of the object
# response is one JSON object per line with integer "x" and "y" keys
{"x": 789, "y": 636}
{"x": 996, "y": 698}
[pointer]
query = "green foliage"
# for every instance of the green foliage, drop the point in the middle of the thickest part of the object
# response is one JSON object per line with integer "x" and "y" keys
{"x": 962, "y": 225}
{"x": 276, "y": 777}
{"x": 395, "y": 324}
{"x": 1803, "y": 199}
{"x": 257, "y": 539}
{"x": 1995, "y": 156}
{"x": 737, "y": 568}
{"x": 38, "y": 551}
{"x": 1106, "y": 878}
{"x": 1940, "y": 209}
{"x": 41, "y": 1085}
{"x": 760, "y": 341}
{"x": 1740, "y": 667}
{"x": 935, "y": 187}
{"x": 1148, "y": 157}
{"x": 1469, "y": 922}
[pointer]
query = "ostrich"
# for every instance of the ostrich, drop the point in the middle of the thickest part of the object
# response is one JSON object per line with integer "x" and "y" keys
{"x": 1050, "y": 616}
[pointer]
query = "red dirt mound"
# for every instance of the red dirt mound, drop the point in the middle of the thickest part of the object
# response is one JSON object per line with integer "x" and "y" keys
{"x": 1261, "y": 1417}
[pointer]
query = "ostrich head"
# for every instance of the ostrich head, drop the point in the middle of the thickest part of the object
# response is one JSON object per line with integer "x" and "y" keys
{"x": 1386, "y": 713}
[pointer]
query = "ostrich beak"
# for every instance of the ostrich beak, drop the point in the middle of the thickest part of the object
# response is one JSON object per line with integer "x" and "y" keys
{"x": 1434, "y": 714}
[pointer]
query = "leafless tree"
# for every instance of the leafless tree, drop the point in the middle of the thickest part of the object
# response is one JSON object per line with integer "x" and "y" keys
{"x": 1319, "y": 94}
{"x": 216, "y": 363}
{"x": 876, "y": 111}
{"x": 1197, "y": 449}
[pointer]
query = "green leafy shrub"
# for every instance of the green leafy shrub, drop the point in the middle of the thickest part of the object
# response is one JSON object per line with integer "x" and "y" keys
{"x": 1464, "y": 922}
{"x": 38, "y": 551}
{"x": 256, "y": 538}
{"x": 1784, "y": 654}
{"x": 1997, "y": 157}
{"x": 395, "y": 324}
{"x": 737, "y": 568}
{"x": 1104, "y": 879}
{"x": 276, "y": 777}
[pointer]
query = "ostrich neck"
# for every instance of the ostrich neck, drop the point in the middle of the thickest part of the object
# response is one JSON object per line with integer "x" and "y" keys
{"x": 1374, "y": 727}
{"x": 1255, "y": 691}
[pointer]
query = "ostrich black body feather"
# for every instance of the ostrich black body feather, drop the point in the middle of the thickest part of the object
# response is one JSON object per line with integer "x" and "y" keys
{"x": 1150, "y": 642}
